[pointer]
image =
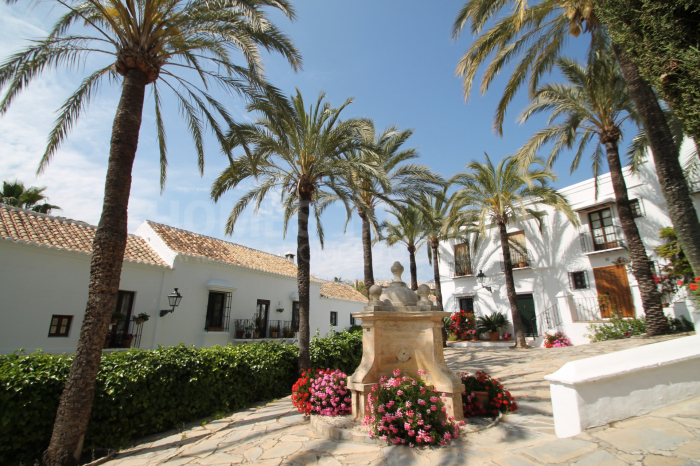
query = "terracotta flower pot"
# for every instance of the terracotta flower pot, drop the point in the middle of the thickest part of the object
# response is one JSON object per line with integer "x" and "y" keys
{"x": 464, "y": 337}
{"x": 239, "y": 334}
{"x": 482, "y": 397}
{"x": 495, "y": 336}
{"x": 114, "y": 321}
{"x": 126, "y": 343}
{"x": 139, "y": 321}
{"x": 256, "y": 335}
{"x": 274, "y": 334}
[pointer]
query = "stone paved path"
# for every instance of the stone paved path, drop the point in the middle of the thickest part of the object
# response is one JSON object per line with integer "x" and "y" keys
{"x": 275, "y": 434}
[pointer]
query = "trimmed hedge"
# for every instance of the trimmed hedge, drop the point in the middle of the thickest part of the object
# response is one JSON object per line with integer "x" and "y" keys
{"x": 141, "y": 392}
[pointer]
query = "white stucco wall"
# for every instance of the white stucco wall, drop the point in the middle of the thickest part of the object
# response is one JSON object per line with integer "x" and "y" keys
{"x": 557, "y": 250}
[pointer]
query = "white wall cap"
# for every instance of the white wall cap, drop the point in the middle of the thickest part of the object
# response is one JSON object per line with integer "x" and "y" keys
{"x": 220, "y": 285}
{"x": 628, "y": 361}
{"x": 564, "y": 294}
{"x": 294, "y": 296}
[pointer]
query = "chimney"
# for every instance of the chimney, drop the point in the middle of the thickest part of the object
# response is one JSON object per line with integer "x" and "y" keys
{"x": 289, "y": 256}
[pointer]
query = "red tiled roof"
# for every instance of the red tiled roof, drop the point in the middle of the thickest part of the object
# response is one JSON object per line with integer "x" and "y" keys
{"x": 26, "y": 226}
{"x": 341, "y": 291}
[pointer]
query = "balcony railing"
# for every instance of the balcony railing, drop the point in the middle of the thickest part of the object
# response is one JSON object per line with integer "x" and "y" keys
{"x": 613, "y": 238}
{"x": 603, "y": 307}
{"x": 519, "y": 259}
{"x": 246, "y": 329}
{"x": 548, "y": 320}
{"x": 460, "y": 267}
{"x": 124, "y": 334}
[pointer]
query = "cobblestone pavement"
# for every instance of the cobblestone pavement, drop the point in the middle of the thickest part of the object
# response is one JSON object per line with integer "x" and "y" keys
{"x": 275, "y": 434}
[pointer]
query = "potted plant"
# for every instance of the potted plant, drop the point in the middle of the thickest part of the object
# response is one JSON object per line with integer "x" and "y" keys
{"x": 249, "y": 330}
{"x": 141, "y": 318}
{"x": 259, "y": 327}
{"x": 287, "y": 332}
{"x": 274, "y": 330}
{"x": 492, "y": 324}
{"x": 507, "y": 336}
{"x": 126, "y": 341}
{"x": 116, "y": 317}
{"x": 240, "y": 331}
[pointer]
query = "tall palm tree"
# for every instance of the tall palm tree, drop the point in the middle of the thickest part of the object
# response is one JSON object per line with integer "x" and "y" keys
{"x": 493, "y": 196}
{"x": 409, "y": 231}
{"x": 435, "y": 212}
{"x": 594, "y": 104}
{"x": 303, "y": 154}
{"x": 15, "y": 194}
{"x": 400, "y": 182}
{"x": 158, "y": 42}
{"x": 534, "y": 35}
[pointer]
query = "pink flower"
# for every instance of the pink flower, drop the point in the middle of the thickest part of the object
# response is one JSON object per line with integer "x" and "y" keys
{"x": 400, "y": 392}
{"x": 411, "y": 433}
{"x": 397, "y": 372}
{"x": 421, "y": 402}
{"x": 433, "y": 399}
{"x": 433, "y": 408}
{"x": 408, "y": 404}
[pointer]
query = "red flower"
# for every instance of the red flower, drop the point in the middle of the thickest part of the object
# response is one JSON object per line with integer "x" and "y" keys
{"x": 693, "y": 286}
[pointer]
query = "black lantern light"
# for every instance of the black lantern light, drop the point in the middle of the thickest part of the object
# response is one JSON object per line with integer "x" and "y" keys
{"x": 174, "y": 299}
{"x": 481, "y": 279}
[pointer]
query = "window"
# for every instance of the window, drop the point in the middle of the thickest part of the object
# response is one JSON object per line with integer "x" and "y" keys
{"x": 295, "y": 316}
{"x": 578, "y": 280}
{"x": 518, "y": 249}
{"x": 636, "y": 207}
{"x": 352, "y": 321}
{"x": 602, "y": 230}
{"x": 334, "y": 318}
{"x": 463, "y": 264}
{"x": 466, "y": 304}
{"x": 218, "y": 311}
{"x": 60, "y": 326}
{"x": 262, "y": 315}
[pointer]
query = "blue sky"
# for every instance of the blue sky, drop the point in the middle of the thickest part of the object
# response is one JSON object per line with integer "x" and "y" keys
{"x": 395, "y": 57}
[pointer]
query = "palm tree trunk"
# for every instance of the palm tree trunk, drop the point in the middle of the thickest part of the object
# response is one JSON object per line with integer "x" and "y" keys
{"x": 412, "y": 267}
{"x": 668, "y": 166}
{"x": 108, "y": 247}
{"x": 641, "y": 267}
{"x": 436, "y": 272}
{"x": 510, "y": 289}
{"x": 304, "y": 282}
{"x": 367, "y": 250}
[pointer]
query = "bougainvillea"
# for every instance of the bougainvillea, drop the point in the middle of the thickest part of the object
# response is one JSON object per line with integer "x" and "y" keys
{"x": 500, "y": 399}
{"x": 408, "y": 411}
{"x": 557, "y": 340}
{"x": 322, "y": 392}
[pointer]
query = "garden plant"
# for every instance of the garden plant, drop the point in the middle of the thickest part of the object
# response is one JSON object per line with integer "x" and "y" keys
{"x": 556, "y": 340}
{"x": 408, "y": 411}
{"x": 500, "y": 399}
{"x": 322, "y": 391}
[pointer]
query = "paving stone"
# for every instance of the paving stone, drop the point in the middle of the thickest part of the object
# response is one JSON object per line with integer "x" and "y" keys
{"x": 514, "y": 460}
{"x": 253, "y": 454}
{"x": 294, "y": 438}
{"x": 348, "y": 448}
{"x": 560, "y": 450}
{"x": 282, "y": 450}
{"x": 270, "y": 462}
{"x": 269, "y": 444}
{"x": 600, "y": 458}
{"x": 657, "y": 460}
{"x": 221, "y": 458}
{"x": 400, "y": 456}
{"x": 690, "y": 450}
{"x": 303, "y": 458}
{"x": 688, "y": 421}
{"x": 361, "y": 458}
{"x": 328, "y": 461}
{"x": 645, "y": 434}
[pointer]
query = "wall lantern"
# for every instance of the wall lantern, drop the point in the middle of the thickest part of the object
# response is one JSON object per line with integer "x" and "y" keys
{"x": 481, "y": 279}
{"x": 174, "y": 299}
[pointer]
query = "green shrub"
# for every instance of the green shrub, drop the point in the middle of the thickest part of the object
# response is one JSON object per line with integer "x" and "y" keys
{"x": 341, "y": 350}
{"x": 616, "y": 329}
{"x": 142, "y": 392}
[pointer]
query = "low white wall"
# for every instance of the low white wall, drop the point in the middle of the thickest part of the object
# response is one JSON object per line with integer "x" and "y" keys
{"x": 596, "y": 391}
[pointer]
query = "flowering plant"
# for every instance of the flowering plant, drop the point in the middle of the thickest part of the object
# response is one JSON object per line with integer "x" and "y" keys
{"x": 557, "y": 340}
{"x": 500, "y": 399}
{"x": 405, "y": 410}
{"x": 323, "y": 392}
{"x": 507, "y": 336}
{"x": 463, "y": 323}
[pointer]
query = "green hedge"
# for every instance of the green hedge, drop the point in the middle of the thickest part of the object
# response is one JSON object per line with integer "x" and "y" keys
{"x": 142, "y": 392}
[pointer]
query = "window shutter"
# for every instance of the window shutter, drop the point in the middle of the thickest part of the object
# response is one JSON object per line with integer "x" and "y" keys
{"x": 571, "y": 280}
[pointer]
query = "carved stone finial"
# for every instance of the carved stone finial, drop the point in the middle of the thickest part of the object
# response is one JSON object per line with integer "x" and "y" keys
{"x": 397, "y": 270}
{"x": 424, "y": 293}
{"x": 375, "y": 291}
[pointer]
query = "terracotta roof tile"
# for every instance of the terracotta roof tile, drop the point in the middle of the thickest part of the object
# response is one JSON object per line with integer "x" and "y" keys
{"x": 21, "y": 225}
{"x": 341, "y": 291}
{"x": 193, "y": 244}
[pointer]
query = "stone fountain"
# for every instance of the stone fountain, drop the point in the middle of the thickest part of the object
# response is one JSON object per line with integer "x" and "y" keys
{"x": 402, "y": 328}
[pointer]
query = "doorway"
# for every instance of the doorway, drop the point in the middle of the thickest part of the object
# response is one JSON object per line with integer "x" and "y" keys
{"x": 526, "y": 306}
{"x": 614, "y": 295}
{"x": 261, "y": 316}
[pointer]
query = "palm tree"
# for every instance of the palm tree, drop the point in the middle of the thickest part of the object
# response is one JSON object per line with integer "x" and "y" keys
{"x": 303, "y": 154}
{"x": 492, "y": 196}
{"x": 145, "y": 42}
{"x": 15, "y": 194}
{"x": 407, "y": 230}
{"x": 435, "y": 211}
{"x": 400, "y": 182}
{"x": 534, "y": 36}
{"x": 593, "y": 104}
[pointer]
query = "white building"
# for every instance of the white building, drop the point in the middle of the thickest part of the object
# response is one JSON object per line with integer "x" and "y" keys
{"x": 560, "y": 272}
{"x": 230, "y": 293}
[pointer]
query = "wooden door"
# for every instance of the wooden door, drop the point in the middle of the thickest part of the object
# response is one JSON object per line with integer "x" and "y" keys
{"x": 614, "y": 294}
